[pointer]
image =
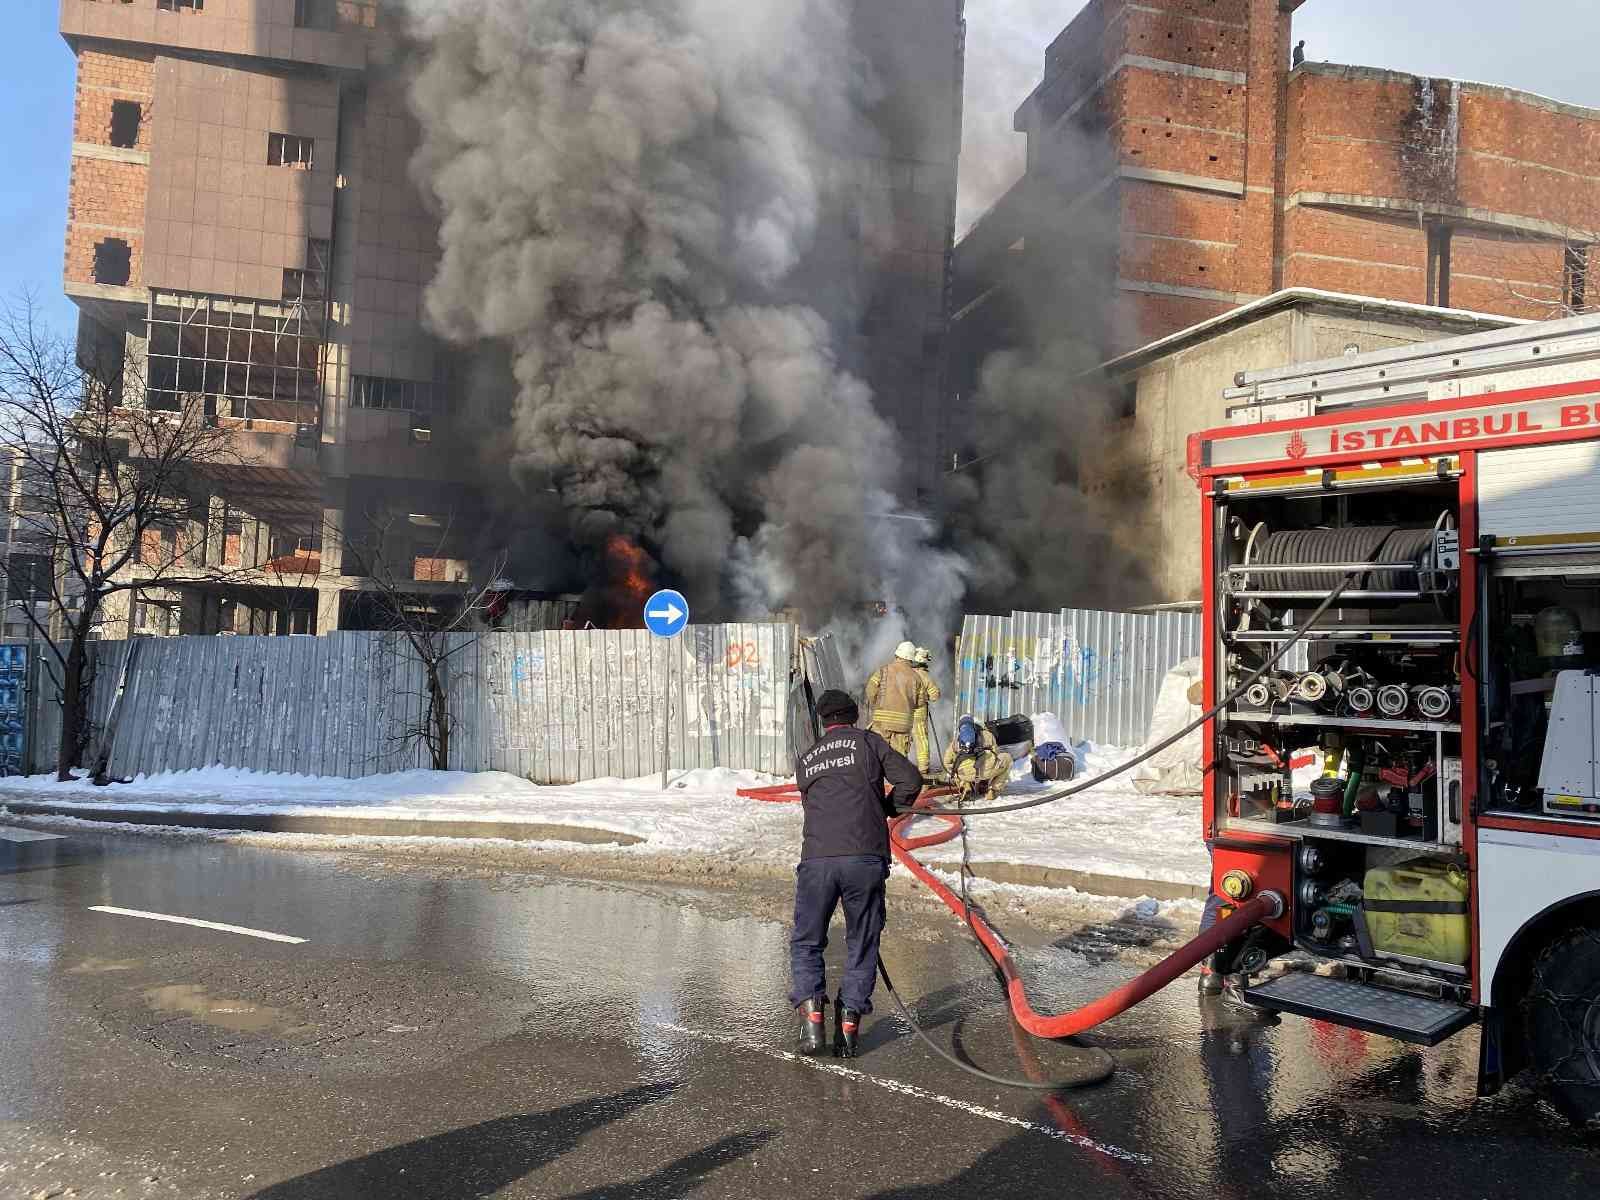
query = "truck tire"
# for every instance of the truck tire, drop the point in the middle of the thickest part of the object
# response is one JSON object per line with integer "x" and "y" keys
{"x": 1561, "y": 1014}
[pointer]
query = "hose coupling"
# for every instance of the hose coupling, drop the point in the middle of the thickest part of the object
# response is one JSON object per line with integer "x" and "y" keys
{"x": 1275, "y": 899}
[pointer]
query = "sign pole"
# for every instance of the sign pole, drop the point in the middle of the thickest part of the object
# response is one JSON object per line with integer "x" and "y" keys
{"x": 666, "y": 719}
{"x": 666, "y": 615}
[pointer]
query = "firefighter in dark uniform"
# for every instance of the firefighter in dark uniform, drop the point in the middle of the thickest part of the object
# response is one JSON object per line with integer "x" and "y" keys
{"x": 844, "y": 856}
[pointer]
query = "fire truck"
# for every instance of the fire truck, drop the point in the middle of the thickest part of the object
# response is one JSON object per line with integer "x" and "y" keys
{"x": 1442, "y": 867}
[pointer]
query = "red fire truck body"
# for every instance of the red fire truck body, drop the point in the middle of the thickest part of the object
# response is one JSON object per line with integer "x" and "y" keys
{"x": 1443, "y": 868}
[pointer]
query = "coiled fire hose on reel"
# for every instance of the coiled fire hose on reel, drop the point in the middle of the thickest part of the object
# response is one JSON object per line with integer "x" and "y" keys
{"x": 1266, "y": 906}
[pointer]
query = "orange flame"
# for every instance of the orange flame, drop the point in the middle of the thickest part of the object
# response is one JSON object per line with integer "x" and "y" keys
{"x": 629, "y": 581}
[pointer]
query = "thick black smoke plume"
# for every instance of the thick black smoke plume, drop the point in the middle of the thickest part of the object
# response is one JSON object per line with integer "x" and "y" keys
{"x": 625, "y": 187}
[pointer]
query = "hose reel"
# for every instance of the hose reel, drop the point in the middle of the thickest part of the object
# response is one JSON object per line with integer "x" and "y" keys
{"x": 1390, "y": 564}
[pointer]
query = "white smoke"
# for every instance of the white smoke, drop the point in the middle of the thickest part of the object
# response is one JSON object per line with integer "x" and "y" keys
{"x": 626, "y": 189}
{"x": 1006, "y": 41}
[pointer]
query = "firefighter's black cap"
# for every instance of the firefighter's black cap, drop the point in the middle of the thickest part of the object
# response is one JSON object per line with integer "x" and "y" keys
{"x": 837, "y": 708}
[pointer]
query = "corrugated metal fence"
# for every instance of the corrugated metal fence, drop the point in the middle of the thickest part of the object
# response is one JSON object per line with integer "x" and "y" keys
{"x": 554, "y": 706}
{"x": 1098, "y": 671}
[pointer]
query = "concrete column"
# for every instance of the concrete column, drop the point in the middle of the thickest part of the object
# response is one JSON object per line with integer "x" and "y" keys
{"x": 328, "y": 599}
{"x": 216, "y": 526}
{"x": 252, "y": 551}
{"x": 115, "y": 611}
{"x": 333, "y": 541}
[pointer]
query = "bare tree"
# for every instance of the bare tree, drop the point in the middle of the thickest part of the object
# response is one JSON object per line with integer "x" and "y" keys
{"x": 109, "y": 485}
{"x": 415, "y": 588}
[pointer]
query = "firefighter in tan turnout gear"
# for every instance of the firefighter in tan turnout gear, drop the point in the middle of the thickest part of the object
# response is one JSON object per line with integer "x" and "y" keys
{"x": 894, "y": 693}
{"x": 921, "y": 719}
{"x": 974, "y": 761}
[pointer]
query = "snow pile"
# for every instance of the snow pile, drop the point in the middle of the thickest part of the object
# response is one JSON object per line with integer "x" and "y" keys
{"x": 1108, "y": 830}
{"x": 1177, "y": 769}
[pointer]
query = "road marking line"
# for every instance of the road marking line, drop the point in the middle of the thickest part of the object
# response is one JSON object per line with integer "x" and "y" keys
{"x": 150, "y": 916}
{"x": 911, "y": 1089}
{"x": 11, "y": 834}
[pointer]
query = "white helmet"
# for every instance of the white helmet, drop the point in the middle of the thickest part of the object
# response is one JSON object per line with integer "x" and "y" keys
{"x": 906, "y": 652}
{"x": 924, "y": 656}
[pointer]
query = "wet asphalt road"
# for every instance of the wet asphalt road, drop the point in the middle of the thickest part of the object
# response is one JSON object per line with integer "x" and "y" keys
{"x": 452, "y": 1037}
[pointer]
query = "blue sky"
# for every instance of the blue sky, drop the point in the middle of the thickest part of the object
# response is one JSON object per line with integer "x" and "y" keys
{"x": 36, "y": 101}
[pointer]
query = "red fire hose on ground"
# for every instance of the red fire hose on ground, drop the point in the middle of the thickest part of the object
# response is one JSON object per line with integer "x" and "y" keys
{"x": 1264, "y": 907}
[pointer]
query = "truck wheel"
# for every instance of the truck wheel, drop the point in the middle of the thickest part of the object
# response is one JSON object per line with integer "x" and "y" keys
{"x": 1561, "y": 1013}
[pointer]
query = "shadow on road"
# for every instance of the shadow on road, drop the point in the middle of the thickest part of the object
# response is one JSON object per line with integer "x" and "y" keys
{"x": 475, "y": 1161}
{"x": 678, "y": 1178}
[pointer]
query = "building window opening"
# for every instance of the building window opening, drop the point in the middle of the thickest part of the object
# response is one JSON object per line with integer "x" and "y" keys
{"x": 181, "y": 5}
{"x": 1575, "y": 278}
{"x": 287, "y": 150}
{"x": 113, "y": 262}
{"x": 154, "y": 618}
{"x": 248, "y": 359}
{"x": 403, "y": 395}
{"x": 315, "y": 14}
{"x": 126, "y": 116}
{"x": 1127, "y": 402}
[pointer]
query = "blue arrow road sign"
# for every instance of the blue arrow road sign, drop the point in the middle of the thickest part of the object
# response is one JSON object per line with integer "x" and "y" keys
{"x": 666, "y": 613}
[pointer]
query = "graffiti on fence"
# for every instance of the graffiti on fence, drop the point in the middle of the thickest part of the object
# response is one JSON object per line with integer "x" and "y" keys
{"x": 1086, "y": 671}
{"x": 13, "y": 708}
{"x": 1060, "y": 665}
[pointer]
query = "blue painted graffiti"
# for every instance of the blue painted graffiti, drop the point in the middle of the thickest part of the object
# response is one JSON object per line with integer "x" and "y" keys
{"x": 525, "y": 665}
{"x": 13, "y": 708}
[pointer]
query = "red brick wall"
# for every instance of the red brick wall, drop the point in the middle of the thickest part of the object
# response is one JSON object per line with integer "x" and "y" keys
{"x": 1506, "y": 273}
{"x": 1264, "y": 123}
{"x": 102, "y": 79}
{"x": 1203, "y": 35}
{"x": 1177, "y": 123}
{"x": 1178, "y": 262}
{"x": 1345, "y": 135}
{"x": 1514, "y": 177}
{"x": 1521, "y": 158}
{"x": 1364, "y": 254}
{"x": 1143, "y": 318}
{"x": 106, "y": 198}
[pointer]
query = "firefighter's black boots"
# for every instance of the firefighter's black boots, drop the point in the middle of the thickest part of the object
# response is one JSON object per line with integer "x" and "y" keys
{"x": 846, "y": 1023}
{"x": 813, "y": 1027}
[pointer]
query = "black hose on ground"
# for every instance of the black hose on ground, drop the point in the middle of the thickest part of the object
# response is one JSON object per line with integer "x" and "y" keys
{"x": 1099, "y": 1073}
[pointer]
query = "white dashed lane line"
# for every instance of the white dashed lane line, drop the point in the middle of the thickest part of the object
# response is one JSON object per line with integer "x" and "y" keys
{"x": 911, "y": 1089}
{"x": 195, "y": 921}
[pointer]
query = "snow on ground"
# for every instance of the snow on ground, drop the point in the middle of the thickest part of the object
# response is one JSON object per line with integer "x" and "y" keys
{"x": 1109, "y": 830}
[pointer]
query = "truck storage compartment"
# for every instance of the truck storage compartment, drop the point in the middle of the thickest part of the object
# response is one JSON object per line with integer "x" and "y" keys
{"x": 1418, "y": 910}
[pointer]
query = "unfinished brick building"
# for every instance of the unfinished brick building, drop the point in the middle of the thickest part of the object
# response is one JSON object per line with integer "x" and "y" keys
{"x": 242, "y": 225}
{"x": 1200, "y": 170}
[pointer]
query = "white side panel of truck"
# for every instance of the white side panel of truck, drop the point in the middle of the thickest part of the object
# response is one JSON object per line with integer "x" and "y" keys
{"x": 1519, "y": 876}
{"x": 1539, "y": 490}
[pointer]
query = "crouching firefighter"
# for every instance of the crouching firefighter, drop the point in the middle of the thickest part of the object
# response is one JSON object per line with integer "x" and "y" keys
{"x": 844, "y": 856}
{"x": 974, "y": 761}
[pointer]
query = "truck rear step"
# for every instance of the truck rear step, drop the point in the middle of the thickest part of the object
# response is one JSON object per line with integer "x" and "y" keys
{"x": 1399, "y": 1015}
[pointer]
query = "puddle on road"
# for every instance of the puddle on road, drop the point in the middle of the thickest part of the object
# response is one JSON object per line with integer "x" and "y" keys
{"x": 240, "y": 1016}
